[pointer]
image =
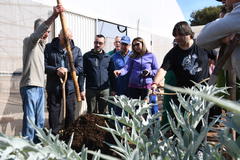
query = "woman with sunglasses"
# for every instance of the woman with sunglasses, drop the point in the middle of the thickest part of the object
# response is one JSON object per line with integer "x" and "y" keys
{"x": 142, "y": 67}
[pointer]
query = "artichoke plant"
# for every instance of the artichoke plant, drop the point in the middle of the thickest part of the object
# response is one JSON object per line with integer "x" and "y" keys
{"x": 139, "y": 134}
{"x": 143, "y": 137}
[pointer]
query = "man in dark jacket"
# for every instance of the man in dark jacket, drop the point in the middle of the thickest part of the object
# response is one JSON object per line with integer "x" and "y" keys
{"x": 96, "y": 70}
{"x": 56, "y": 66}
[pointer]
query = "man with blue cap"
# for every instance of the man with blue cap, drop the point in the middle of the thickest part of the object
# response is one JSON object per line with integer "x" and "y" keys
{"x": 119, "y": 85}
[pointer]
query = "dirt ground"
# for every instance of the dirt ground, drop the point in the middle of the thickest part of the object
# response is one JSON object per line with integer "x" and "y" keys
{"x": 87, "y": 133}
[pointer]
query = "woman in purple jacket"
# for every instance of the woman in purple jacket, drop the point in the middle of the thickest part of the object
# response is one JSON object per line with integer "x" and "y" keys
{"x": 142, "y": 67}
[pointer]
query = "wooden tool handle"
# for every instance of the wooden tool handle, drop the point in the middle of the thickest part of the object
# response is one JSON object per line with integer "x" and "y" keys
{"x": 70, "y": 55}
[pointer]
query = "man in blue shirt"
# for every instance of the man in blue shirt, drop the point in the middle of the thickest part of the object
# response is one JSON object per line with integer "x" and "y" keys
{"x": 119, "y": 85}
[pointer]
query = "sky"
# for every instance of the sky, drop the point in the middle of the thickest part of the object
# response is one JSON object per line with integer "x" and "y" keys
{"x": 188, "y": 6}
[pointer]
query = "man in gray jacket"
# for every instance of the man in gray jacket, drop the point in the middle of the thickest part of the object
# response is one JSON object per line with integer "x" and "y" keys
{"x": 32, "y": 81}
{"x": 220, "y": 31}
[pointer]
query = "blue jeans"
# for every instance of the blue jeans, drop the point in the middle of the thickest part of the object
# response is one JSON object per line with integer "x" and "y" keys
{"x": 33, "y": 109}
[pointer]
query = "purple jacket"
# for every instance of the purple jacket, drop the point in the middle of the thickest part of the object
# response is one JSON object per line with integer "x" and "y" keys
{"x": 136, "y": 65}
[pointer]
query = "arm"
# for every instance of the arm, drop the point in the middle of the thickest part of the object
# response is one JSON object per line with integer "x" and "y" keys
{"x": 154, "y": 66}
{"x": 112, "y": 77}
{"x": 81, "y": 82}
{"x": 159, "y": 78}
{"x": 127, "y": 67}
{"x": 213, "y": 33}
{"x": 39, "y": 32}
{"x": 49, "y": 69}
{"x": 78, "y": 63}
{"x": 166, "y": 65}
{"x": 85, "y": 66}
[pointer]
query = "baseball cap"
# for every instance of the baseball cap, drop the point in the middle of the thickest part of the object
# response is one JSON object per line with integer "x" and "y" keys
{"x": 125, "y": 39}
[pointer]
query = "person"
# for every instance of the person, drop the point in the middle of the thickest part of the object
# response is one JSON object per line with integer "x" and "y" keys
{"x": 169, "y": 79}
{"x": 117, "y": 45}
{"x": 96, "y": 70}
{"x": 221, "y": 31}
{"x": 119, "y": 85}
{"x": 56, "y": 67}
{"x": 32, "y": 81}
{"x": 222, "y": 12}
{"x": 142, "y": 66}
{"x": 188, "y": 61}
{"x": 216, "y": 34}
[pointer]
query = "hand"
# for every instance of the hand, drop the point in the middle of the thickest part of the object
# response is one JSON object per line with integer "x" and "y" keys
{"x": 226, "y": 40}
{"x": 82, "y": 94}
{"x": 145, "y": 73}
{"x": 113, "y": 93}
{"x": 117, "y": 73}
{"x": 154, "y": 86}
{"x": 57, "y": 10}
{"x": 61, "y": 71}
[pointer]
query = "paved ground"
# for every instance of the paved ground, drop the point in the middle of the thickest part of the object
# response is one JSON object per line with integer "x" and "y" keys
{"x": 11, "y": 106}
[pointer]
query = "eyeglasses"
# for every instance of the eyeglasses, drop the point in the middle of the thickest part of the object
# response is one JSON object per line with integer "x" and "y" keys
{"x": 100, "y": 43}
{"x": 136, "y": 44}
{"x": 117, "y": 42}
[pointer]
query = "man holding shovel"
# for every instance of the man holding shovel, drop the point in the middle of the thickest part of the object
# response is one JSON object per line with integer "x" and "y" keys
{"x": 32, "y": 81}
{"x": 57, "y": 68}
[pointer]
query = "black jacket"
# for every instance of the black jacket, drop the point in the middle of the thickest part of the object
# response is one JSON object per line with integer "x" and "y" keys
{"x": 54, "y": 56}
{"x": 96, "y": 70}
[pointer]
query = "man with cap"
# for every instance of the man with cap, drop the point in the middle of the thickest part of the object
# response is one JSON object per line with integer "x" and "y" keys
{"x": 119, "y": 85}
{"x": 32, "y": 81}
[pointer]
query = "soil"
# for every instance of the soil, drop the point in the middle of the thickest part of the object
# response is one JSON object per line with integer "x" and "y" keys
{"x": 87, "y": 133}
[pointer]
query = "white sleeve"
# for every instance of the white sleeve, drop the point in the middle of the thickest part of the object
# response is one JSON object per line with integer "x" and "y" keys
{"x": 211, "y": 35}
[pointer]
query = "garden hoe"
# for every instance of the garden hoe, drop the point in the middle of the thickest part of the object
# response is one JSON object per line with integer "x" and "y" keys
{"x": 63, "y": 108}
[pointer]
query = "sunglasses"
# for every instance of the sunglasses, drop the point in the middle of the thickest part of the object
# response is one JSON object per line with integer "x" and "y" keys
{"x": 100, "y": 43}
{"x": 136, "y": 44}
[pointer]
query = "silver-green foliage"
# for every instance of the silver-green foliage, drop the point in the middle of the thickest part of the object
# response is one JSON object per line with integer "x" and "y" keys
{"x": 50, "y": 147}
{"x": 138, "y": 129}
{"x": 147, "y": 138}
{"x": 232, "y": 123}
{"x": 190, "y": 139}
{"x": 139, "y": 135}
